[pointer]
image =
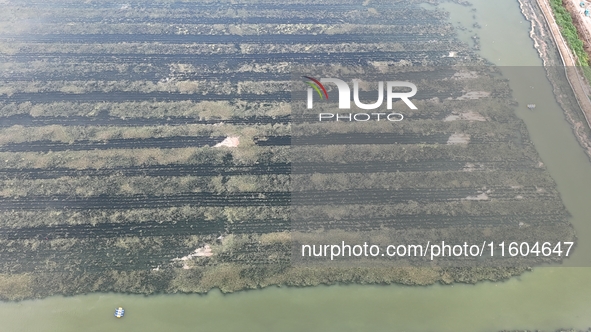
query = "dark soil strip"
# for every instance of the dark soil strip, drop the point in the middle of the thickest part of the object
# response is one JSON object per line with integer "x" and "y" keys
{"x": 427, "y": 221}
{"x": 370, "y": 138}
{"x": 146, "y": 201}
{"x": 155, "y": 75}
{"x": 392, "y": 19}
{"x": 200, "y": 141}
{"x": 219, "y": 39}
{"x": 206, "y": 227}
{"x": 123, "y": 143}
{"x": 48, "y": 97}
{"x": 213, "y": 6}
{"x": 27, "y": 120}
{"x": 104, "y": 119}
{"x": 361, "y": 196}
{"x": 228, "y": 59}
{"x": 151, "y": 228}
{"x": 215, "y": 67}
{"x": 156, "y": 170}
{"x": 357, "y": 138}
{"x": 113, "y": 230}
{"x": 122, "y": 96}
{"x": 263, "y": 169}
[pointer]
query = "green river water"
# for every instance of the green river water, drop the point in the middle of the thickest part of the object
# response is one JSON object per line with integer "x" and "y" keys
{"x": 547, "y": 298}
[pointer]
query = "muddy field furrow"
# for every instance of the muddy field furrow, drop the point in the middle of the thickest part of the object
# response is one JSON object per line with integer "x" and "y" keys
{"x": 265, "y": 198}
{"x": 372, "y": 139}
{"x": 46, "y": 97}
{"x": 275, "y": 168}
{"x": 201, "y": 141}
{"x": 31, "y": 121}
{"x": 155, "y": 142}
{"x": 217, "y": 39}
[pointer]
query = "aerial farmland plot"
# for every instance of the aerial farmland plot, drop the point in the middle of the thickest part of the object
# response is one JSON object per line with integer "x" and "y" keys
{"x": 156, "y": 147}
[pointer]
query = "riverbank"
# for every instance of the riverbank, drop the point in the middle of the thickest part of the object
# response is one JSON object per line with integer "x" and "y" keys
{"x": 561, "y": 66}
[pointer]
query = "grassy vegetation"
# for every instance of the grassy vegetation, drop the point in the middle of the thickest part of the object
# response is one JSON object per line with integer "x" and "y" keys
{"x": 570, "y": 34}
{"x": 122, "y": 215}
{"x": 207, "y": 110}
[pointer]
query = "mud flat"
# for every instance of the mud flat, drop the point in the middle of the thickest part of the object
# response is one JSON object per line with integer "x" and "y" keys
{"x": 120, "y": 163}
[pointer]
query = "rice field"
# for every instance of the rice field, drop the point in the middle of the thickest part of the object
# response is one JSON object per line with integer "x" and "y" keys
{"x": 114, "y": 174}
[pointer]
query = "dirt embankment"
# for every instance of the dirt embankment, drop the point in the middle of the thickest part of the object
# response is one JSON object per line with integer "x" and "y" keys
{"x": 570, "y": 87}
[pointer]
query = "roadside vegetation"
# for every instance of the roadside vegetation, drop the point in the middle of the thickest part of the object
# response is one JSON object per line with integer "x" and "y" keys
{"x": 569, "y": 31}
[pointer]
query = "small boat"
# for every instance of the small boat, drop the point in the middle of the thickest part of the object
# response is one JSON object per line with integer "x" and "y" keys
{"x": 531, "y": 106}
{"x": 119, "y": 312}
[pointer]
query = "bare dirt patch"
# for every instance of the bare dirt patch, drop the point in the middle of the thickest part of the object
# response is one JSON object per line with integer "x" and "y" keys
{"x": 458, "y": 139}
{"x": 465, "y": 116}
{"x": 462, "y": 75}
{"x": 230, "y": 142}
{"x": 471, "y": 95}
